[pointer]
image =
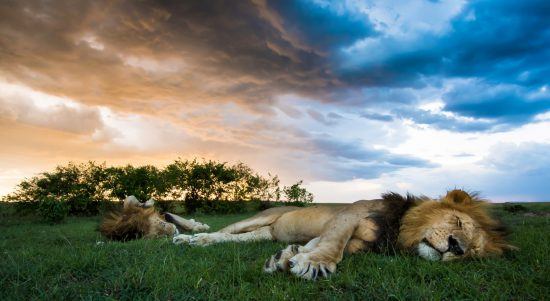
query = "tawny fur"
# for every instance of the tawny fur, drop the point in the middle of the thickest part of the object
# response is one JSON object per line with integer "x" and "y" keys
{"x": 455, "y": 226}
{"x": 131, "y": 223}
{"x": 428, "y": 213}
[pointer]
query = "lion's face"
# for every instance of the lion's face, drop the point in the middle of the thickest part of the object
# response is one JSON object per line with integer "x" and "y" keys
{"x": 457, "y": 226}
{"x": 450, "y": 235}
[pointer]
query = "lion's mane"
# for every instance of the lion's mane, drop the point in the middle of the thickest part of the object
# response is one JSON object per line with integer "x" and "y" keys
{"x": 130, "y": 223}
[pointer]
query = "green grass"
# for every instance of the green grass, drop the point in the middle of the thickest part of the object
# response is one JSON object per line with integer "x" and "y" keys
{"x": 39, "y": 261}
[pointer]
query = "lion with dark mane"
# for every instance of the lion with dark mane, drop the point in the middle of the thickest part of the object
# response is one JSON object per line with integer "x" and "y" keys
{"x": 142, "y": 220}
{"x": 456, "y": 226}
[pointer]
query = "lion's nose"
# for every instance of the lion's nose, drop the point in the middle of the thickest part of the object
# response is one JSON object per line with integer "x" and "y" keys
{"x": 454, "y": 246}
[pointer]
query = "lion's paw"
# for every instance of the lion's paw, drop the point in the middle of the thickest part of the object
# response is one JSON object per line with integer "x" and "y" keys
{"x": 181, "y": 239}
{"x": 279, "y": 261}
{"x": 206, "y": 239}
{"x": 150, "y": 203}
{"x": 199, "y": 227}
{"x": 304, "y": 265}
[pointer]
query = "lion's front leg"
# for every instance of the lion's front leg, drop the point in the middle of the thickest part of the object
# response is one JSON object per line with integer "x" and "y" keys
{"x": 312, "y": 265}
{"x": 328, "y": 252}
{"x": 279, "y": 261}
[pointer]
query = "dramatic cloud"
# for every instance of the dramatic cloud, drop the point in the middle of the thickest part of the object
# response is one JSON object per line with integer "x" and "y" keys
{"x": 499, "y": 40}
{"x": 503, "y": 103}
{"x": 18, "y": 104}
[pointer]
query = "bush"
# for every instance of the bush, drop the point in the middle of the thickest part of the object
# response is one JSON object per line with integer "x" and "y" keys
{"x": 165, "y": 206}
{"x": 225, "y": 207}
{"x": 193, "y": 205}
{"x": 83, "y": 206}
{"x": 514, "y": 208}
{"x": 215, "y": 206}
{"x": 263, "y": 205}
{"x": 107, "y": 206}
{"x": 297, "y": 194}
{"x": 52, "y": 210}
{"x": 172, "y": 206}
{"x": 26, "y": 207}
{"x": 296, "y": 203}
{"x": 208, "y": 187}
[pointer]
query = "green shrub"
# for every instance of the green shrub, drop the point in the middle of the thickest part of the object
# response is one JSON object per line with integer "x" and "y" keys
{"x": 52, "y": 210}
{"x": 107, "y": 206}
{"x": 26, "y": 207}
{"x": 217, "y": 206}
{"x": 83, "y": 206}
{"x": 225, "y": 207}
{"x": 193, "y": 205}
{"x": 172, "y": 206}
{"x": 263, "y": 205}
{"x": 295, "y": 203}
{"x": 297, "y": 194}
{"x": 514, "y": 208}
{"x": 208, "y": 186}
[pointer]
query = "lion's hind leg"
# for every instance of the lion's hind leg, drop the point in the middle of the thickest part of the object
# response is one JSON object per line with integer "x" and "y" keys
{"x": 254, "y": 228}
{"x": 264, "y": 218}
{"x": 279, "y": 261}
{"x": 206, "y": 239}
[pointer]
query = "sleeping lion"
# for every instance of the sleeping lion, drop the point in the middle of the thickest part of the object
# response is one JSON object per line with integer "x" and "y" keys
{"x": 456, "y": 226}
{"x": 141, "y": 220}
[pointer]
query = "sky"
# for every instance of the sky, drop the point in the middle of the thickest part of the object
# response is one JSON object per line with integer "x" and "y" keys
{"x": 356, "y": 98}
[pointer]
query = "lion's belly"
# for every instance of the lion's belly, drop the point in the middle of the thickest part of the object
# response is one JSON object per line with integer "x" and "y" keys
{"x": 304, "y": 224}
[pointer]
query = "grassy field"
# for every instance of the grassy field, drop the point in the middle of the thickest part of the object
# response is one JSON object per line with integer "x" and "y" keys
{"x": 39, "y": 261}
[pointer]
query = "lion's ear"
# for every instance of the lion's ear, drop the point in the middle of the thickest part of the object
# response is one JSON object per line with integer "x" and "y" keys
{"x": 458, "y": 196}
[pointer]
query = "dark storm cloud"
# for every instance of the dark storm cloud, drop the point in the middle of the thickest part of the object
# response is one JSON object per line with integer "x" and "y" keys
{"x": 498, "y": 40}
{"x": 230, "y": 51}
{"x": 320, "y": 27}
{"x": 478, "y": 106}
{"x": 507, "y": 104}
{"x": 505, "y": 39}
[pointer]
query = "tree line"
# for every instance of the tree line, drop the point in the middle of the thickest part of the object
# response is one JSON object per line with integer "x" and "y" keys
{"x": 201, "y": 184}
